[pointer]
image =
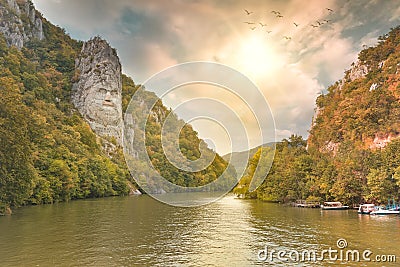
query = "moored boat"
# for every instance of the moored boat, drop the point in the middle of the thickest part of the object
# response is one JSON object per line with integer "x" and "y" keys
{"x": 384, "y": 211}
{"x": 333, "y": 206}
{"x": 306, "y": 204}
{"x": 366, "y": 208}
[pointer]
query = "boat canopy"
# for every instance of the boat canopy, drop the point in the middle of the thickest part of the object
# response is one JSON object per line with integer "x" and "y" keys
{"x": 332, "y": 203}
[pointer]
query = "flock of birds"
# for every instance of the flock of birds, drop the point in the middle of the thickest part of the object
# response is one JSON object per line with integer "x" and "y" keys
{"x": 278, "y": 15}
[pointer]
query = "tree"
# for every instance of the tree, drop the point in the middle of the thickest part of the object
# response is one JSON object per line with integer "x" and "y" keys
{"x": 381, "y": 186}
{"x": 17, "y": 174}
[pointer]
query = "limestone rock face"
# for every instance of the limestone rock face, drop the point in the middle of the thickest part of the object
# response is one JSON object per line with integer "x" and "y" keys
{"x": 97, "y": 93}
{"x": 359, "y": 70}
{"x": 382, "y": 140}
{"x": 17, "y": 30}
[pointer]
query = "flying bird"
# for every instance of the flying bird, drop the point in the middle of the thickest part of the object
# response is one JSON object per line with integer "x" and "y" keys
{"x": 295, "y": 24}
{"x": 319, "y": 23}
{"x": 252, "y": 28}
{"x": 330, "y": 10}
{"x": 275, "y": 12}
{"x": 279, "y": 16}
{"x": 262, "y": 24}
{"x": 287, "y": 37}
{"x": 314, "y": 26}
{"x": 327, "y": 20}
{"x": 248, "y": 12}
{"x": 250, "y": 23}
{"x": 269, "y": 32}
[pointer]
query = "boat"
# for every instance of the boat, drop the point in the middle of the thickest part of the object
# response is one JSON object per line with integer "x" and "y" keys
{"x": 384, "y": 211}
{"x": 333, "y": 206}
{"x": 306, "y": 204}
{"x": 392, "y": 208}
{"x": 366, "y": 208}
{"x": 392, "y": 205}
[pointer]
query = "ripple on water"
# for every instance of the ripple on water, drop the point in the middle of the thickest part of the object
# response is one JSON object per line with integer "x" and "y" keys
{"x": 139, "y": 231}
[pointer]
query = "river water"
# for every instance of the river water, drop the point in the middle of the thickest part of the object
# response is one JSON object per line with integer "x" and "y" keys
{"x": 139, "y": 231}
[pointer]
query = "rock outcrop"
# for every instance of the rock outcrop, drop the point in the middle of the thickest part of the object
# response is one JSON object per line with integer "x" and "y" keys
{"x": 359, "y": 70}
{"x": 97, "y": 92}
{"x": 382, "y": 140}
{"x": 20, "y": 22}
{"x": 361, "y": 110}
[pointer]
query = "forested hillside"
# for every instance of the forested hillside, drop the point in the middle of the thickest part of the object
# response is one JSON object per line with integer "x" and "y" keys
{"x": 352, "y": 153}
{"x": 48, "y": 152}
{"x": 188, "y": 144}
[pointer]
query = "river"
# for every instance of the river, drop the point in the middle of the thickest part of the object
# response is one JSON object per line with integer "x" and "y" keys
{"x": 139, "y": 231}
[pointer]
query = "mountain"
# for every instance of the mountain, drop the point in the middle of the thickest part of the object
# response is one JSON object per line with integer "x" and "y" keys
{"x": 61, "y": 113}
{"x": 20, "y": 22}
{"x": 240, "y": 159}
{"x": 352, "y": 153}
{"x": 362, "y": 110}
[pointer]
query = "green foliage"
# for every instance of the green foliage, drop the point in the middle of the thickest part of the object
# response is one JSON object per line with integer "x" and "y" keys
{"x": 358, "y": 110}
{"x": 242, "y": 188}
{"x": 380, "y": 186}
{"x": 355, "y": 113}
{"x": 289, "y": 173}
{"x": 48, "y": 153}
{"x": 16, "y": 161}
{"x": 129, "y": 88}
{"x": 351, "y": 178}
{"x": 187, "y": 144}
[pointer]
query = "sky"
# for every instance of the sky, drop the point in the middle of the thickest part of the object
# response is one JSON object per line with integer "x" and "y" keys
{"x": 292, "y": 53}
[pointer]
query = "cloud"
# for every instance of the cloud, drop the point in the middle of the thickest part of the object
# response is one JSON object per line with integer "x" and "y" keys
{"x": 281, "y": 134}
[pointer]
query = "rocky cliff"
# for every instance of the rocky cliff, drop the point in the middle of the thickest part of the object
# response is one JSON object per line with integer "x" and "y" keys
{"x": 362, "y": 110}
{"x": 20, "y": 22}
{"x": 48, "y": 153}
{"x": 98, "y": 87}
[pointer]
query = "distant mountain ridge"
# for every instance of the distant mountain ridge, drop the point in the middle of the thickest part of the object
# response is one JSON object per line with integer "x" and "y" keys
{"x": 240, "y": 159}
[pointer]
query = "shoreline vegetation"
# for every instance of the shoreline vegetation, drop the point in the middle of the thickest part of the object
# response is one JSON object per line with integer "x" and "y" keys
{"x": 298, "y": 173}
{"x": 48, "y": 153}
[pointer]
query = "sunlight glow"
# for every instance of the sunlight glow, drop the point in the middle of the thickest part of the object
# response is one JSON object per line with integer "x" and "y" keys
{"x": 255, "y": 56}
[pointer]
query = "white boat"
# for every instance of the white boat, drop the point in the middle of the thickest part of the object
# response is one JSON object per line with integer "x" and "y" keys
{"x": 333, "y": 206}
{"x": 306, "y": 204}
{"x": 383, "y": 211}
{"x": 366, "y": 208}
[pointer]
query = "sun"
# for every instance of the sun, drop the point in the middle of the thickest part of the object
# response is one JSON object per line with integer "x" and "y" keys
{"x": 255, "y": 56}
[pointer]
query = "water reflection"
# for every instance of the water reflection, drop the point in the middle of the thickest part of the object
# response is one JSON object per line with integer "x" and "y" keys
{"x": 287, "y": 228}
{"x": 139, "y": 231}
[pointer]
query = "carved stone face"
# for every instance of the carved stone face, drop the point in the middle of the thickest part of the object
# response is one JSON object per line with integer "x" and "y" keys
{"x": 98, "y": 92}
{"x": 103, "y": 105}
